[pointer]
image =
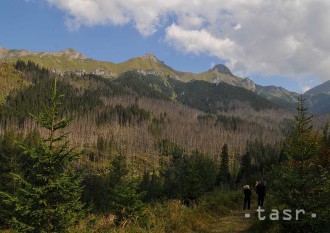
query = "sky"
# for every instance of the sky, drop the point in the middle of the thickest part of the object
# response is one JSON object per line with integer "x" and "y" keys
{"x": 273, "y": 42}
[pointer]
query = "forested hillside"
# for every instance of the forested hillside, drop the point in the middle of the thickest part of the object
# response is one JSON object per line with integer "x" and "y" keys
{"x": 195, "y": 115}
{"x": 11, "y": 80}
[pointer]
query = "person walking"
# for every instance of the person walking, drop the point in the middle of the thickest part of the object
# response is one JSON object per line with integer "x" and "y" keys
{"x": 247, "y": 196}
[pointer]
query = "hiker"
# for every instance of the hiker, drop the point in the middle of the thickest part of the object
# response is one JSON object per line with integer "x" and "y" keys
{"x": 261, "y": 191}
{"x": 247, "y": 196}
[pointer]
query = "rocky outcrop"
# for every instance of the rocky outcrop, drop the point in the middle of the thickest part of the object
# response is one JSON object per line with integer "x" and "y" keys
{"x": 222, "y": 69}
{"x": 101, "y": 72}
{"x": 223, "y": 74}
{"x": 70, "y": 53}
{"x": 248, "y": 84}
{"x": 153, "y": 72}
{"x": 150, "y": 57}
{"x": 238, "y": 82}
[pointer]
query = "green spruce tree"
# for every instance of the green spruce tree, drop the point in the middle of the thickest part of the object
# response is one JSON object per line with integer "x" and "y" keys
{"x": 49, "y": 196}
{"x": 300, "y": 183}
{"x": 303, "y": 142}
{"x": 10, "y": 156}
{"x": 124, "y": 199}
{"x": 224, "y": 175}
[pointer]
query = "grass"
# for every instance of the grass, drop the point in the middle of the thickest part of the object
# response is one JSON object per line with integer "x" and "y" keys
{"x": 216, "y": 212}
{"x": 219, "y": 211}
{"x": 64, "y": 63}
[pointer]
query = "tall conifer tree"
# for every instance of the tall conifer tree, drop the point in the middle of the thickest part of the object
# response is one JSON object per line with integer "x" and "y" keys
{"x": 49, "y": 197}
{"x": 224, "y": 175}
{"x": 301, "y": 183}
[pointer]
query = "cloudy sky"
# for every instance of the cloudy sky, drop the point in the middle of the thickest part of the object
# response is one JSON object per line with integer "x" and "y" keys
{"x": 280, "y": 42}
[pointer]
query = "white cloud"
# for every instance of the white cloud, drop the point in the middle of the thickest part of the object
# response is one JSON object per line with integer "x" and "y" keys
{"x": 199, "y": 41}
{"x": 269, "y": 37}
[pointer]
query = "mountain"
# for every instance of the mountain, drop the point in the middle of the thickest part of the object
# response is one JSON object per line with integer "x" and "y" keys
{"x": 323, "y": 88}
{"x": 221, "y": 73}
{"x": 222, "y": 69}
{"x": 318, "y": 98}
{"x": 278, "y": 95}
{"x": 70, "y": 61}
{"x": 12, "y": 54}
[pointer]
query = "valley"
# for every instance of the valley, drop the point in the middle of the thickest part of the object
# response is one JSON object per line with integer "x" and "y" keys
{"x": 150, "y": 136}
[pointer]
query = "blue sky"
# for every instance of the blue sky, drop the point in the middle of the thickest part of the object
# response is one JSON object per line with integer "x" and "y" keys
{"x": 189, "y": 37}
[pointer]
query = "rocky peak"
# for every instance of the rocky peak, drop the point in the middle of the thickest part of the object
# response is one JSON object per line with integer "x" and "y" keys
{"x": 149, "y": 57}
{"x": 222, "y": 69}
{"x": 73, "y": 54}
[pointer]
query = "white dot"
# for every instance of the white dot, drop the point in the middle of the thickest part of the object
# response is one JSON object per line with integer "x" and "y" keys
{"x": 313, "y": 215}
{"x": 247, "y": 215}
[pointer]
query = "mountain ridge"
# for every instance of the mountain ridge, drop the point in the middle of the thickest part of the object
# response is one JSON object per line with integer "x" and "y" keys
{"x": 72, "y": 61}
{"x": 9, "y": 54}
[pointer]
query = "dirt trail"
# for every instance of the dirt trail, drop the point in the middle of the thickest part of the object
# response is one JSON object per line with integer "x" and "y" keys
{"x": 235, "y": 222}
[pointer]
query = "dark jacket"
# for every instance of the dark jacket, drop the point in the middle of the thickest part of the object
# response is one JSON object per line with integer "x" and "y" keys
{"x": 247, "y": 193}
{"x": 261, "y": 190}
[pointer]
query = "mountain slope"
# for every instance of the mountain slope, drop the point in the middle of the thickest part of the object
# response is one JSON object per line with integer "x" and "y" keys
{"x": 323, "y": 88}
{"x": 213, "y": 97}
{"x": 137, "y": 110}
{"x": 318, "y": 98}
{"x": 278, "y": 95}
{"x": 10, "y": 80}
{"x": 205, "y": 96}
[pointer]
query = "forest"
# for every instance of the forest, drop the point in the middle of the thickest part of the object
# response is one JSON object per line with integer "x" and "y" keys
{"x": 143, "y": 153}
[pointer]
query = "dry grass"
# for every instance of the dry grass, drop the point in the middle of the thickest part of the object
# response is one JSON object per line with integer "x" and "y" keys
{"x": 216, "y": 212}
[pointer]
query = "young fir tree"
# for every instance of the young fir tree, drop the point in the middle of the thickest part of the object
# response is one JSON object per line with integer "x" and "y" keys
{"x": 198, "y": 175}
{"x": 224, "y": 175}
{"x": 303, "y": 143}
{"x": 10, "y": 155}
{"x": 324, "y": 158}
{"x": 49, "y": 196}
{"x": 124, "y": 199}
{"x": 300, "y": 183}
{"x": 151, "y": 185}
